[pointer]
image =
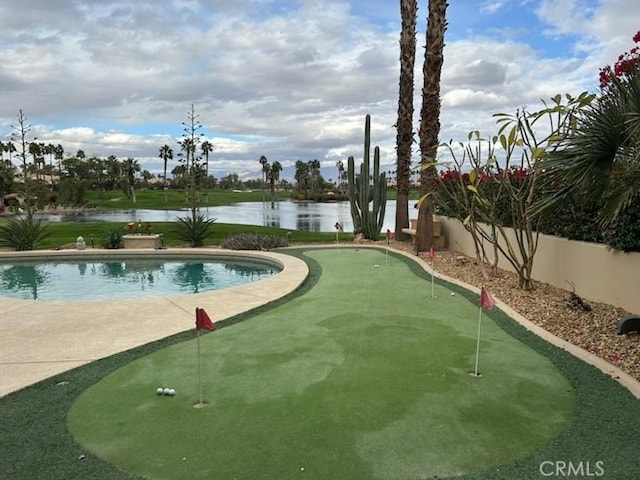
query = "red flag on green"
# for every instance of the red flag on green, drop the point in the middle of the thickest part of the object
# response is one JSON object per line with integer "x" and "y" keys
{"x": 432, "y": 253}
{"x": 203, "y": 322}
{"x": 486, "y": 300}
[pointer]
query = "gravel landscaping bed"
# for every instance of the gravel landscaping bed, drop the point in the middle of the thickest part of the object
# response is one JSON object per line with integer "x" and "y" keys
{"x": 549, "y": 307}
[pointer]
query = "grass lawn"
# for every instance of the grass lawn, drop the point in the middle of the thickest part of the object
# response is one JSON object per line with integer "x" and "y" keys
{"x": 62, "y": 233}
{"x": 175, "y": 199}
{"x": 358, "y": 375}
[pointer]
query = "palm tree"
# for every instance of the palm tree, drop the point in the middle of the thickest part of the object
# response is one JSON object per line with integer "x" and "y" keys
{"x": 166, "y": 154}
{"x": 131, "y": 167}
{"x": 59, "y": 156}
{"x": 314, "y": 169}
{"x": 188, "y": 147}
{"x": 113, "y": 172}
{"x": 10, "y": 148}
{"x": 302, "y": 177}
{"x": 404, "y": 138}
{"x": 207, "y": 148}
{"x": 265, "y": 168}
{"x": 430, "y": 118}
{"x": 35, "y": 150}
{"x": 178, "y": 174}
{"x": 601, "y": 157}
{"x": 273, "y": 175}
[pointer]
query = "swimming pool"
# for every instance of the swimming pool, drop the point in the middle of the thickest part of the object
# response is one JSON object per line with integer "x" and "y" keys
{"x": 126, "y": 277}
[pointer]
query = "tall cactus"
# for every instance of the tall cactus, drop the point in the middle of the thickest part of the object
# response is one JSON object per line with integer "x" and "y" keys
{"x": 367, "y": 193}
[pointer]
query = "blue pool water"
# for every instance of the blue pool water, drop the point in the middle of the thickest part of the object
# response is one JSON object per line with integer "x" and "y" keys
{"x": 124, "y": 279}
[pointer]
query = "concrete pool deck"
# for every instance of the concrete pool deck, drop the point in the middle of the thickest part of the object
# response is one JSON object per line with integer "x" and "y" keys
{"x": 41, "y": 339}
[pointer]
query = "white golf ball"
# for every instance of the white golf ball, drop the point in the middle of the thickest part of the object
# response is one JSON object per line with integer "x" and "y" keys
{"x": 452, "y": 294}
{"x": 166, "y": 391}
{"x": 159, "y": 391}
{"x": 172, "y": 392}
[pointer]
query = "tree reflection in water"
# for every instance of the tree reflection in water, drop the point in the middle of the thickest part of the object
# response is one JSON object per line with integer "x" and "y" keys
{"x": 194, "y": 276}
{"x": 248, "y": 270}
{"x": 113, "y": 269}
{"x": 22, "y": 278}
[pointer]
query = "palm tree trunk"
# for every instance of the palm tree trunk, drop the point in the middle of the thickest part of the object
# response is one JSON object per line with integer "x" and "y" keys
{"x": 430, "y": 117}
{"x": 404, "y": 139}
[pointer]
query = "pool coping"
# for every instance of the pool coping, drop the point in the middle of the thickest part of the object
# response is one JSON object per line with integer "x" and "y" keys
{"x": 41, "y": 339}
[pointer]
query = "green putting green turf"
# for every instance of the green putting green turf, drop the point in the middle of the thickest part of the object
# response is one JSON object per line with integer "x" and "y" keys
{"x": 363, "y": 376}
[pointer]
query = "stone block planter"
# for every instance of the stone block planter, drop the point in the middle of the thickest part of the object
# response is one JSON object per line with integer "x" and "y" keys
{"x": 141, "y": 241}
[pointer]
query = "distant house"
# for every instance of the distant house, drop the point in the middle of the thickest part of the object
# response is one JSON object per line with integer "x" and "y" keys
{"x": 13, "y": 199}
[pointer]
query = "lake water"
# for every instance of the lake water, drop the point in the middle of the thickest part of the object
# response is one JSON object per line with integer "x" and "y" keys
{"x": 310, "y": 217}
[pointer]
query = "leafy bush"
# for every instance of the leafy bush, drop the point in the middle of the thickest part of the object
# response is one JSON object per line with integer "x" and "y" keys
{"x": 575, "y": 219}
{"x": 73, "y": 192}
{"x": 253, "y": 241}
{"x": 111, "y": 238}
{"x": 194, "y": 229}
{"x": 23, "y": 233}
{"x": 624, "y": 232}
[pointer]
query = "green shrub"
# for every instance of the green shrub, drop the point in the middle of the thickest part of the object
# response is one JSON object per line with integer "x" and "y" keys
{"x": 576, "y": 219}
{"x": 73, "y": 192}
{"x": 111, "y": 238}
{"x": 253, "y": 241}
{"x": 194, "y": 229}
{"x": 624, "y": 233}
{"x": 22, "y": 233}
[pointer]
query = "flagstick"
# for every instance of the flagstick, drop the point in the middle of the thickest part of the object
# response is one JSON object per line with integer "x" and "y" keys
{"x": 386, "y": 253}
{"x": 475, "y": 371}
{"x": 201, "y": 403}
{"x": 432, "y": 283}
{"x": 432, "y": 262}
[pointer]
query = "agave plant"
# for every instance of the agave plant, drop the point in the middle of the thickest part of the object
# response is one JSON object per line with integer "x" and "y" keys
{"x": 22, "y": 233}
{"x": 194, "y": 229}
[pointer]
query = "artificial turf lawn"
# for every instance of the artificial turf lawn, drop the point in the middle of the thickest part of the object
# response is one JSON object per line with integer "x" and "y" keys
{"x": 364, "y": 376}
{"x": 35, "y": 443}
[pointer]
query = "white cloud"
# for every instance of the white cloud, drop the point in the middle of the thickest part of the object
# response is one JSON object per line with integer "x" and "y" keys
{"x": 492, "y": 6}
{"x": 467, "y": 98}
{"x": 291, "y": 80}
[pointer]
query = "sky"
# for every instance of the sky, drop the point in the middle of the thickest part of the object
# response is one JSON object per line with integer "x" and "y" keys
{"x": 287, "y": 79}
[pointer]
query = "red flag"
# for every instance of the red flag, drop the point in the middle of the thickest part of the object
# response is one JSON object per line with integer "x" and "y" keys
{"x": 203, "y": 322}
{"x": 338, "y": 226}
{"x": 389, "y": 234}
{"x": 432, "y": 253}
{"x": 486, "y": 300}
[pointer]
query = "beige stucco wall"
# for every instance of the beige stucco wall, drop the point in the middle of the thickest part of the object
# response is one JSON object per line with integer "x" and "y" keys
{"x": 599, "y": 274}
